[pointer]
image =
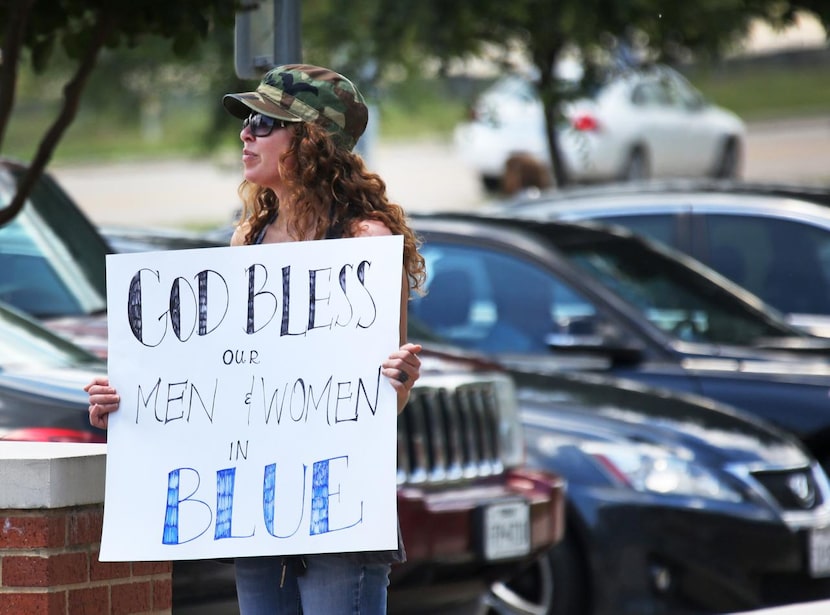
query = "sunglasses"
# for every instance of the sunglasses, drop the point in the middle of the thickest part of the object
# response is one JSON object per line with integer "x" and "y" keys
{"x": 262, "y": 125}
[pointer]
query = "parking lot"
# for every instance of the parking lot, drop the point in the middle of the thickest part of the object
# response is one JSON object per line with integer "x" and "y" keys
{"x": 422, "y": 176}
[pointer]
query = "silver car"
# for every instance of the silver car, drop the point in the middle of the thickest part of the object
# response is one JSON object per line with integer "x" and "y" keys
{"x": 638, "y": 123}
{"x": 772, "y": 240}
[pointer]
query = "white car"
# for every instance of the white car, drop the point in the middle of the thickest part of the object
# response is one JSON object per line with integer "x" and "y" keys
{"x": 640, "y": 123}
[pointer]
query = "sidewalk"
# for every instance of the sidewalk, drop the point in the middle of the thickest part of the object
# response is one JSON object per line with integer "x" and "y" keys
{"x": 420, "y": 175}
{"x": 806, "y": 608}
{"x": 174, "y": 193}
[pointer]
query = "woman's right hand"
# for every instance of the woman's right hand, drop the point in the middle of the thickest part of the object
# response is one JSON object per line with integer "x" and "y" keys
{"x": 103, "y": 399}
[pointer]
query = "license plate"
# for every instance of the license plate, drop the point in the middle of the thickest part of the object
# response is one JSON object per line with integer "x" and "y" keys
{"x": 506, "y": 530}
{"x": 819, "y": 552}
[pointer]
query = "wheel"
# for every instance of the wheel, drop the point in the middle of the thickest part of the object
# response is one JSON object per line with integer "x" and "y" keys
{"x": 554, "y": 584}
{"x": 571, "y": 587}
{"x": 530, "y": 592}
{"x": 636, "y": 167}
{"x": 729, "y": 161}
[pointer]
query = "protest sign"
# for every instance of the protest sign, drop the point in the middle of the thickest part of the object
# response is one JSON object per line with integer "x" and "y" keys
{"x": 254, "y": 418}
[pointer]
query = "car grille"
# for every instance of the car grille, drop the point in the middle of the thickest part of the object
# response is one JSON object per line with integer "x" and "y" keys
{"x": 795, "y": 489}
{"x": 449, "y": 432}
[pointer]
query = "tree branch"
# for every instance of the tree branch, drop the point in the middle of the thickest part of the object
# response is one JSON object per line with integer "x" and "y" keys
{"x": 71, "y": 97}
{"x": 10, "y": 58}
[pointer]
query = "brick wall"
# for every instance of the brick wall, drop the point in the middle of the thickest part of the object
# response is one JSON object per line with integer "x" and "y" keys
{"x": 51, "y": 510}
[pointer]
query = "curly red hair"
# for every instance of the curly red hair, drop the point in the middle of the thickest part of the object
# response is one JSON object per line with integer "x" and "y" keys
{"x": 329, "y": 187}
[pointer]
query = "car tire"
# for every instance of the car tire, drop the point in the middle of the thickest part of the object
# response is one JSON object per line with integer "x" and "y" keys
{"x": 529, "y": 592}
{"x": 636, "y": 166}
{"x": 729, "y": 161}
{"x": 554, "y": 584}
{"x": 570, "y": 578}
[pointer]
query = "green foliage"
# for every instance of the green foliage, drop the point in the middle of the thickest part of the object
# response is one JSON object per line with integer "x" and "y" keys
{"x": 109, "y": 135}
{"x": 768, "y": 93}
{"x": 80, "y": 29}
{"x": 68, "y": 25}
{"x": 420, "y": 108}
{"x": 546, "y": 29}
{"x": 416, "y": 108}
{"x": 168, "y": 64}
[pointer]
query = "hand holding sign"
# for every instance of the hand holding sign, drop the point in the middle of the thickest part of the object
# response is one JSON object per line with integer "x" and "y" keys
{"x": 254, "y": 416}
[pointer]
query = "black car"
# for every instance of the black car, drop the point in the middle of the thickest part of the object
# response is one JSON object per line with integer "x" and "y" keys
{"x": 559, "y": 296}
{"x": 774, "y": 240}
{"x": 676, "y": 504}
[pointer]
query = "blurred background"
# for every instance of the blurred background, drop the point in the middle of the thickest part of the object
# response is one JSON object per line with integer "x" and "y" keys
{"x": 151, "y": 143}
{"x": 148, "y": 144}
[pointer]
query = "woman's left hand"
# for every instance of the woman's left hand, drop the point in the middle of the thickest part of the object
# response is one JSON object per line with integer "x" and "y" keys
{"x": 403, "y": 368}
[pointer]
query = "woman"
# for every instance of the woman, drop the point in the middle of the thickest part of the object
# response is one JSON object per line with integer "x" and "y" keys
{"x": 303, "y": 182}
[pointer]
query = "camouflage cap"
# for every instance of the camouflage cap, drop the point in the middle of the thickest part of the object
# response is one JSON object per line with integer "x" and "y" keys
{"x": 305, "y": 93}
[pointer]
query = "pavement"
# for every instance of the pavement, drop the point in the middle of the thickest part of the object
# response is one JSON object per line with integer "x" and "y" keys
{"x": 806, "y": 608}
{"x": 420, "y": 175}
{"x": 423, "y": 175}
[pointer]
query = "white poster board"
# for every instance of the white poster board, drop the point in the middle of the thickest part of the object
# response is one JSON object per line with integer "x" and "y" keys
{"x": 254, "y": 419}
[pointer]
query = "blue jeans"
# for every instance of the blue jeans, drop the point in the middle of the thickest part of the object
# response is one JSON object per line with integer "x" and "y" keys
{"x": 330, "y": 585}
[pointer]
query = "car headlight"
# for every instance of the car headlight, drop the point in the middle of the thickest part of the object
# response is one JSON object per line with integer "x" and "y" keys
{"x": 655, "y": 469}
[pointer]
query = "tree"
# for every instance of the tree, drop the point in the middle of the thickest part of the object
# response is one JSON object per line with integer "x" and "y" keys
{"x": 34, "y": 29}
{"x": 547, "y": 29}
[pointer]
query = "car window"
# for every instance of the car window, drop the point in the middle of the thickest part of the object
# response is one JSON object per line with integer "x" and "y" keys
{"x": 491, "y": 301}
{"x": 682, "y": 91}
{"x": 660, "y": 227}
{"x": 41, "y": 273}
{"x": 649, "y": 94}
{"x": 36, "y": 276}
{"x": 26, "y": 344}
{"x": 786, "y": 263}
{"x": 675, "y": 298}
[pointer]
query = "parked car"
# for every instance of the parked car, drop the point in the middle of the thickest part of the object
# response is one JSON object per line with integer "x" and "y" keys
{"x": 453, "y": 545}
{"x": 643, "y": 536}
{"x": 773, "y": 240}
{"x": 664, "y": 460}
{"x": 676, "y": 504}
{"x": 559, "y": 296}
{"x": 635, "y": 123}
{"x": 41, "y": 384}
{"x": 50, "y": 254}
{"x": 641, "y": 464}
{"x": 462, "y": 414}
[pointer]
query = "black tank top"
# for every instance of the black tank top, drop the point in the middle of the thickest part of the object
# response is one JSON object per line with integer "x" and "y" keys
{"x": 335, "y": 231}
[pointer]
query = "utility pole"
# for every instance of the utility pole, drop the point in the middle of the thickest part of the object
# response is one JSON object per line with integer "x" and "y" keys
{"x": 267, "y": 34}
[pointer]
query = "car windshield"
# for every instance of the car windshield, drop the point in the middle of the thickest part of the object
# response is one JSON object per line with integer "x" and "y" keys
{"x": 52, "y": 261}
{"x": 673, "y": 297}
{"x": 24, "y": 343}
